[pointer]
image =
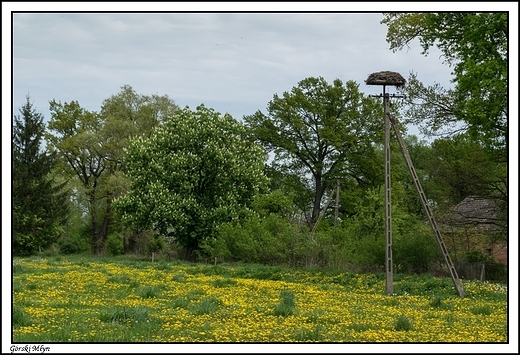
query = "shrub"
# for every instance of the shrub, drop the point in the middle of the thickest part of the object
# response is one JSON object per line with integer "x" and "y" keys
{"x": 114, "y": 244}
{"x": 72, "y": 244}
{"x": 254, "y": 240}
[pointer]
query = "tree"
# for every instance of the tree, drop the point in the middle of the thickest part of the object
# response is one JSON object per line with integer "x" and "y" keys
{"x": 77, "y": 138}
{"x": 195, "y": 172}
{"x": 460, "y": 167}
{"x": 39, "y": 203}
{"x": 127, "y": 115}
{"x": 316, "y": 132}
{"x": 92, "y": 147}
{"x": 476, "y": 46}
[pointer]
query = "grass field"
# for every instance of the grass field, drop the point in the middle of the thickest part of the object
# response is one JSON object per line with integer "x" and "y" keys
{"x": 83, "y": 299}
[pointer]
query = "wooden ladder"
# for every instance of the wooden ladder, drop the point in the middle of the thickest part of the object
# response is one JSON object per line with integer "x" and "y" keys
{"x": 426, "y": 206}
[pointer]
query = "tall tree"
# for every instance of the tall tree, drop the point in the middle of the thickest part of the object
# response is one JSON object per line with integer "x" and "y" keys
{"x": 92, "y": 145}
{"x": 316, "y": 131}
{"x": 127, "y": 115}
{"x": 196, "y": 171}
{"x": 476, "y": 46}
{"x": 460, "y": 167}
{"x": 39, "y": 203}
{"x": 76, "y": 137}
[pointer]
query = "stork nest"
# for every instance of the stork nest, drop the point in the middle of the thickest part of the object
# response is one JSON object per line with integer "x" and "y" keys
{"x": 385, "y": 78}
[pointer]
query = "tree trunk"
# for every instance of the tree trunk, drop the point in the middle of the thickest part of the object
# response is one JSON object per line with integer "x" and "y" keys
{"x": 132, "y": 245}
{"x": 99, "y": 232}
{"x": 190, "y": 252}
{"x": 318, "y": 196}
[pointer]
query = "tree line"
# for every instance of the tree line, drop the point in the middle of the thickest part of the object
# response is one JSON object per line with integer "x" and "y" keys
{"x": 144, "y": 175}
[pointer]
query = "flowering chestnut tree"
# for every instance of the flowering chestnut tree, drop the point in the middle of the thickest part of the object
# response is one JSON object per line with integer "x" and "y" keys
{"x": 194, "y": 172}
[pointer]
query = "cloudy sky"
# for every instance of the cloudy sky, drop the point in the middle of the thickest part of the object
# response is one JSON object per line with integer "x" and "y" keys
{"x": 232, "y": 62}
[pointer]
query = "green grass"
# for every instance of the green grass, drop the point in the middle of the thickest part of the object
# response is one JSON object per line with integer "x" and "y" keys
{"x": 207, "y": 305}
{"x": 224, "y": 282}
{"x": 403, "y": 324}
{"x": 88, "y": 299}
{"x": 20, "y": 318}
{"x": 149, "y": 291}
{"x": 482, "y": 310}
{"x": 286, "y": 305}
{"x": 125, "y": 315}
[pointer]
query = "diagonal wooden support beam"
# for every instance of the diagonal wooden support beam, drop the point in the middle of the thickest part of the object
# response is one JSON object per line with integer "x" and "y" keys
{"x": 426, "y": 207}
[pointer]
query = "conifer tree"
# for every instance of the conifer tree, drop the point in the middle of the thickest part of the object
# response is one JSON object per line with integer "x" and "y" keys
{"x": 39, "y": 204}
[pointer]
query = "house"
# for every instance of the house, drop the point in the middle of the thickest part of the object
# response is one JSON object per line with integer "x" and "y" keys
{"x": 475, "y": 224}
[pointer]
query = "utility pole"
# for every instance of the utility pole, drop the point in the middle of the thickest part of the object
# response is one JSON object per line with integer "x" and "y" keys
{"x": 336, "y": 208}
{"x": 388, "y": 200}
{"x": 385, "y": 78}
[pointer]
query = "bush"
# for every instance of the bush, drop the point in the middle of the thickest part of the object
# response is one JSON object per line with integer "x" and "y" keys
{"x": 496, "y": 271}
{"x": 72, "y": 244}
{"x": 114, "y": 244}
{"x": 415, "y": 249}
{"x": 256, "y": 240}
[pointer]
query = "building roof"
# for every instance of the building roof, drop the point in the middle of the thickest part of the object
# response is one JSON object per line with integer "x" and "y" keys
{"x": 474, "y": 211}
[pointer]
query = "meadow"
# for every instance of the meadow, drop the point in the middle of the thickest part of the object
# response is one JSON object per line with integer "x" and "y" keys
{"x": 62, "y": 299}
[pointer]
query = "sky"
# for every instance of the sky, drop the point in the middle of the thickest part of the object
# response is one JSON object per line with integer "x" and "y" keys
{"x": 232, "y": 57}
{"x": 232, "y": 62}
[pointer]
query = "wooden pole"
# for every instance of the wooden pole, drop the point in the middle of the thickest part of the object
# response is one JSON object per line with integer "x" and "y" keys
{"x": 336, "y": 209}
{"x": 388, "y": 200}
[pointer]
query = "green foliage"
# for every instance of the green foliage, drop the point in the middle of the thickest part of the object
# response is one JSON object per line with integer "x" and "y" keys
{"x": 461, "y": 166}
{"x": 179, "y": 302}
{"x": 257, "y": 240}
{"x": 496, "y": 271}
{"x": 415, "y": 247}
{"x": 208, "y": 177}
{"x": 114, "y": 244}
{"x": 437, "y": 302}
{"x": 91, "y": 146}
{"x": 311, "y": 335}
{"x": 476, "y": 45}
{"x": 125, "y": 316}
{"x": 124, "y": 278}
{"x": 314, "y": 131}
{"x": 224, "y": 283}
{"x": 72, "y": 244}
{"x": 149, "y": 291}
{"x": 482, "y": 310}
{"x": 39, "y": 202}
